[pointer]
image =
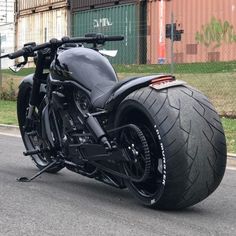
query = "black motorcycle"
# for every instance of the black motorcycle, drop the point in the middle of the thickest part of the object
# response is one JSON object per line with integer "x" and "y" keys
{"x": 155, "y": 135}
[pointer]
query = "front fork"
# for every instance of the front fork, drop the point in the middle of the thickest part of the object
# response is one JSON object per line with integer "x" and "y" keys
{"x": 34, "y": 96}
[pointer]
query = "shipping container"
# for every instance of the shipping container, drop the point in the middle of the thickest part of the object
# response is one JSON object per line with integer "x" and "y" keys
{"x": 153, "y": 31}
{"x": 42, "y": 26}
{"x": 190, "y": 17}
{"x": 128, "y": 20}
{"x": 91, "y": 4}
{"x": 32, "y": 6}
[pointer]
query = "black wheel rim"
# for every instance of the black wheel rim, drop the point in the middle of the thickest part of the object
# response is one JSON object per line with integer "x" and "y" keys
{"x": 152, "y": 187}
{"x": 136, "y": 149}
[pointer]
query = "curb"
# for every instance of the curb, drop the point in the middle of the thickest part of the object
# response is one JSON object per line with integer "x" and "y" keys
{"x": 14, "y": 130}
{"x": 231, "y": 155}
{"x": 231, "y": 160}
{"x": 11, "y": 129}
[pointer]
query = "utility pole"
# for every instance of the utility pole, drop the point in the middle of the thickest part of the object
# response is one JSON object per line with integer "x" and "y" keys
{"x": 172, "y": 67}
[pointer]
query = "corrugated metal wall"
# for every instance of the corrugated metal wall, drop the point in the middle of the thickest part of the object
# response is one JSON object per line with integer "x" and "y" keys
{"x": 143, "y": 39}
{"x": 42, "y": 26}
{"x": 152, "y": 32}
{"x": 90, "y": 4}
{"x": 117, "y": 20}
{"x": 24, "y": 5}
{"x": 190, "y": 16}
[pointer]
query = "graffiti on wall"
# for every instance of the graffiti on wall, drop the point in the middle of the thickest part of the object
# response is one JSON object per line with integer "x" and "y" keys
{"x": 103, "y": 22}
{"x": 216, "y": 32}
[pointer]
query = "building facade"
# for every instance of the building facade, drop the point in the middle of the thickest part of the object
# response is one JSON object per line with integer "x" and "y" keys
{"x": 7, "y": 30}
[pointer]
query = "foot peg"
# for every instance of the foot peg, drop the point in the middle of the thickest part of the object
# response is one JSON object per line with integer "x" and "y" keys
{"x": 34, "y": 152}
{"x": 32, "y": 133}
{"x": 26, "y": 179}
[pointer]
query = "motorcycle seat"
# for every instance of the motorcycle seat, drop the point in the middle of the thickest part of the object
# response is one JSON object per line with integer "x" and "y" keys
{"x": 101, "y": 92}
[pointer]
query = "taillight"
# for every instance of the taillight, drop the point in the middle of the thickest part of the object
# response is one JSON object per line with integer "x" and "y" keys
{"x": 162, "y": 80}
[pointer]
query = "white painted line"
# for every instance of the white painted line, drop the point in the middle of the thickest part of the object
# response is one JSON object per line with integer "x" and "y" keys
{"x": 11, "y": 135}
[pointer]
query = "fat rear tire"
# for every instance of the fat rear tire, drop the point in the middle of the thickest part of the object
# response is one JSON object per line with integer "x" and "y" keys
{"x": 192, "y": 139}
{"x": 22, "y": 105}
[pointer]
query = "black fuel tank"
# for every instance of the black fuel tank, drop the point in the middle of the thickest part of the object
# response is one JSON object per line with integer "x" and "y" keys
{"x": 85, "y": 66}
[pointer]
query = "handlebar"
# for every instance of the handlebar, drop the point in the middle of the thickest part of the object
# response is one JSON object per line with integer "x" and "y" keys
{"x": 16, "y": 54}
{"x": 55, "y": 43}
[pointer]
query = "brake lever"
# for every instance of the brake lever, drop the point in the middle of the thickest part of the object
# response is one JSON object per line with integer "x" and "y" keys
{"x": 17, "y": 67}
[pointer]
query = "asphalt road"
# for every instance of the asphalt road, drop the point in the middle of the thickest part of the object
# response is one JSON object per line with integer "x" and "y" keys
{"x": 69, "y": 204}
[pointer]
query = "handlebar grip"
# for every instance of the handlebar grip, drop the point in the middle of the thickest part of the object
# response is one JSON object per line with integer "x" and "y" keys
{"x": 114, "y": 38}
{"x": 16, "y": 54}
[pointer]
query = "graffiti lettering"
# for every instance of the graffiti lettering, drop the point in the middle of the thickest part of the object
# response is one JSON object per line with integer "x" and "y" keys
{"x": 103, "y": 22}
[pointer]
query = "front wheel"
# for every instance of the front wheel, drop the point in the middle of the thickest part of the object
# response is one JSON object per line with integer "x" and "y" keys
{"x": 32, "y": 138}
{"x": 186, "y": 142}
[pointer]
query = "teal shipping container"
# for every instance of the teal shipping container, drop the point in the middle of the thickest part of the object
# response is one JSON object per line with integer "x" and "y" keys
{"x": 128, "y": 20}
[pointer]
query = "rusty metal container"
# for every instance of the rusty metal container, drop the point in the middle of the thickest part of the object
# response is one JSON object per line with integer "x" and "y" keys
{"x": 92, "y": 4}
{"x": 191, "y": 17}
{"x": 153, "y": 34}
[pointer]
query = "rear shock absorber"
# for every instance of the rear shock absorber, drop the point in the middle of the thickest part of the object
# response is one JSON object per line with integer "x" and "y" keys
{"x": 95, "y": 128}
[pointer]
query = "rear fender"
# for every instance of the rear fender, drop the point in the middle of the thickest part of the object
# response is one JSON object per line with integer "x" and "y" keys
{"x": 157, "y": 82}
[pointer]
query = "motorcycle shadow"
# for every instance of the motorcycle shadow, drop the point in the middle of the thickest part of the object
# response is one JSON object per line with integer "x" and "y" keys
{"x": 72, "y": 183}
{"x": 74, "y": 186}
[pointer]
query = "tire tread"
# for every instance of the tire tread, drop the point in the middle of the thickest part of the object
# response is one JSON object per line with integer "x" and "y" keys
{"x": 200, "y": 173}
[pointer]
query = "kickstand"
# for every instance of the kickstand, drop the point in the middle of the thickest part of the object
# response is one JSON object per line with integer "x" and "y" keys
{"x": 26, "y": 179}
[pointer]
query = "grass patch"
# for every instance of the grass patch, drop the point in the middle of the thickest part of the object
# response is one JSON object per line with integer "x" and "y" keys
{"x": 185, "y": 68}
{"x": 193, "y": 68}
{"x": 8, "y": 113}
{"x": 230, "y": 131}
{"x": 21, "y": 73}
{"x": 219, "y": 87}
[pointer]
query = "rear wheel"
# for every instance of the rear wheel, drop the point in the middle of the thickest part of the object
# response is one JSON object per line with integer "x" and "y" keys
{"x": 186, "y": 143}
{"x": 32, "y": 138}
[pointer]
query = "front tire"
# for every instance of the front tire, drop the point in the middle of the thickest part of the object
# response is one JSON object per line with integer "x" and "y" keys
{"x": 186, "y": 142}
{"x": 32, "y": 142}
